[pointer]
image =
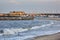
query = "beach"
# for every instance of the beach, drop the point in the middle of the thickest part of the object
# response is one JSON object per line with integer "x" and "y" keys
{"x": 55, "y": 36}
{"x": 48, "y": 37}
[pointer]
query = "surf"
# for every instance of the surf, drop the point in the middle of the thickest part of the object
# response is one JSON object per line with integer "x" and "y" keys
{"x": 13, "y": 31}
{"x": 37, "y": 27}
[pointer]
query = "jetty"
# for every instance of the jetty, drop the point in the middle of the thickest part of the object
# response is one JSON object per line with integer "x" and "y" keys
{"x": 21, "y": 15}
{"x": 47, "y": 16}
{"x": 16, "y": 15}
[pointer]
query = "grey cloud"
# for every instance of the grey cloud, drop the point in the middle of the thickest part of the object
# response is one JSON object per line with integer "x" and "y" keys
{"x": 30, "y": 5}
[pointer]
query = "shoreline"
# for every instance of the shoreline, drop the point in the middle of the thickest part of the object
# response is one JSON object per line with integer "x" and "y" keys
{"x": 55, "y": 36}
{"x": 57, "y": 19}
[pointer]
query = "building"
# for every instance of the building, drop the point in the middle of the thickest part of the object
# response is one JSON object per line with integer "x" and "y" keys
{"x": 17, "y": 13}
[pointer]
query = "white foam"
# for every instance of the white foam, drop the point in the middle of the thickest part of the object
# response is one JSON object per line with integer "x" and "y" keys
{"x": 38, "y": 34}
{"x": 16, "y": 30}
{"x": 13, "y": 31}
{"x": 19, "y": 30}
{"x": 8, "y": 31}
{"x": 37, "y": 27}
{"x": 31, "y": 36}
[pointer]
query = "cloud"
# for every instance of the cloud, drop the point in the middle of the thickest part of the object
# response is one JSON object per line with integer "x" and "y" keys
{"x": 30, "y": 1}
{"x": 34, "y": 5}
{"x": 39, "y": 0}
{"x": 14, "y": 1}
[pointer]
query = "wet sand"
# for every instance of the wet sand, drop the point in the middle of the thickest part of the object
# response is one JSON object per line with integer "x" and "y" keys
{"x": 48, "y": 37}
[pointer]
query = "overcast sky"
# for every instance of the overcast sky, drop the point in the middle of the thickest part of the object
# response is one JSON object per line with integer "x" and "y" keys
{"x": 30, "y": 5}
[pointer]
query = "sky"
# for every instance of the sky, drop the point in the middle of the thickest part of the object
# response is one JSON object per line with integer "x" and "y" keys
{"x": 38, "y": 6}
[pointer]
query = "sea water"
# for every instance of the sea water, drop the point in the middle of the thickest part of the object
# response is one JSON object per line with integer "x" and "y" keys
{"x": 24, "y": 29}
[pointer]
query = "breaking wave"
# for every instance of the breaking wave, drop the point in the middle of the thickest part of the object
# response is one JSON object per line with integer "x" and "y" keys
{"x": 25, "y": 33}
{"x": 14, "y": 31}
{"x": 37, "y": 27}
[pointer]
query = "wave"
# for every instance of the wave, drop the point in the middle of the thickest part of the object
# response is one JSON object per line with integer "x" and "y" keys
{"x": 14, "y": 31}
{"x": 31, "y": 36}
{"x": 38, "y": 34}
{"x": 37, "y": 27}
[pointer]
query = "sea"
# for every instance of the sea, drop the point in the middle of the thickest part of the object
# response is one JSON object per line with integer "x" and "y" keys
{"x": 27, "y": 29}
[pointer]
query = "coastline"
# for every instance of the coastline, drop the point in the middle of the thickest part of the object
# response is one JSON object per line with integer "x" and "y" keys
{"x": 57, "y": 19}
{"x": 55, "y": 36}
